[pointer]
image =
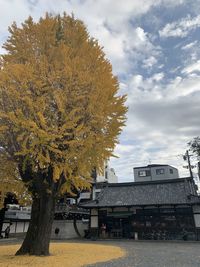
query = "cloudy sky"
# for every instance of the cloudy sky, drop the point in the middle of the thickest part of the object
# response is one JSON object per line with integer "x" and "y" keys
{"x": 154, "y": 47}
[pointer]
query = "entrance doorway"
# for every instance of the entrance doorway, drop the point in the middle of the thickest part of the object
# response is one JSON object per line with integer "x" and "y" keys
{"x": 117, "y": 227}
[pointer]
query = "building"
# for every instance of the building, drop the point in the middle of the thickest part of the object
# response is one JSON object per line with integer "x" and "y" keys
{"x": 100, "y": 180}
{"x": 155, "y": 172}
{"x": 162, "y": 209}
{"x": 108, "y": 175}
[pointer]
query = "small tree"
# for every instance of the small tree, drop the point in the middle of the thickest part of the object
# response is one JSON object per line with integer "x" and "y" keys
{"x": 195, "y": 146}
{"x": 60, "y": 114}
{"x": 11, "y": 186}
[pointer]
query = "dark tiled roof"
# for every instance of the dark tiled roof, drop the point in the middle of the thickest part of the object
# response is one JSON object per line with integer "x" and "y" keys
{"x": 173, "y": 191}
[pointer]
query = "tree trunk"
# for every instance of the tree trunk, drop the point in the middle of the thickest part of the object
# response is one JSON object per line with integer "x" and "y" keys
{"x": 38, "y": 236}
{"x": 76, "y": 228}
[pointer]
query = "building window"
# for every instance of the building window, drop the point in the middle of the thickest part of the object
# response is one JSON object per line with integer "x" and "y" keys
{"x": 160, "y": 171}
{"x": 144, "y": 173}
{"x": 171, "y": 171}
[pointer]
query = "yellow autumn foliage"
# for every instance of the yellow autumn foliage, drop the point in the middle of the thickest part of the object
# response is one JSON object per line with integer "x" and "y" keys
{"x": 59, "y": 102}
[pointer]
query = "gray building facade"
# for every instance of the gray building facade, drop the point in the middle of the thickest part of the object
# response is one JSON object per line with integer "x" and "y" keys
{"x": 155, "y": 172}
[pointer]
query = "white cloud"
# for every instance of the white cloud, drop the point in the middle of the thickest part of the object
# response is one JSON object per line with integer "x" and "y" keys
{"x": 149, "y": 62}
{"x": 189, "y": 45}
{"x": 195, "y": 67}
{"x": 158, "y": 76}
{"x": 108, "y": 21}
{"x": 180, "y": 28}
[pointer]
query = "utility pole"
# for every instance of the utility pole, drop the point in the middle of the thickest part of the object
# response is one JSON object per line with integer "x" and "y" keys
{"x": 198, "y": 169}
{"x": 94, "y": 176}
{"x": 187, "y": 157}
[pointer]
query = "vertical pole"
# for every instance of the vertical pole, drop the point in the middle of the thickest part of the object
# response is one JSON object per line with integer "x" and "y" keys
{"x": 198, "y": 169}
{"x": 151, "y": 174}
{"x": 94, "y": 176}
{"x": 189, "y": 165}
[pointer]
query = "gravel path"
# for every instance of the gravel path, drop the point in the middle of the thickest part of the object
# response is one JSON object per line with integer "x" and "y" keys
{"x": 155, "y": 254}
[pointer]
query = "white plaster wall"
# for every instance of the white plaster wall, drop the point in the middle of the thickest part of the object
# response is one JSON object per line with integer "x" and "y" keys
{"x": 67, "y": 229}
{"x": 112, "y": 177}
{"x": 100, "y": 178}
{"x": 196, "y": 209}
{"x": 94, "y": 212}
{"x": 94, "y": 222}
{"x": 17, "y": 227}
{"x": 197, "y": 220}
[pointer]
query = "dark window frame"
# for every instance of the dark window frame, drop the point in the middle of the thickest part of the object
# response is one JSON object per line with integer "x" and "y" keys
{"x": 145, "y": 172}
{"x": 160, "y": 171}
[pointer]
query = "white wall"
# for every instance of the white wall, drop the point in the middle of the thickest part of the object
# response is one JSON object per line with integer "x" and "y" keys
{"x": 94, "y": 218}
{"x": 196, "y": 211}
{"x": 112, "y": 177}
{"x": 108, "y": 176}
{"x": 17, "y": 227}
{"x": 67, "y": 229}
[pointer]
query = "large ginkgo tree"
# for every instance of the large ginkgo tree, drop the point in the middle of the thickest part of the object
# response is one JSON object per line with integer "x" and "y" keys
{"x": 60, "y": 113}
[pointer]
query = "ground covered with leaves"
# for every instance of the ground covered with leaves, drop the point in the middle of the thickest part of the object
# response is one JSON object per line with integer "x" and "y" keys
{"x": 62, "y": 254}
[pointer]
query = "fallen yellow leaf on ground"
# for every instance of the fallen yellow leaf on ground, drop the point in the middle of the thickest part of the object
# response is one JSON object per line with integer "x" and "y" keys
{"x": 62, "y": 254}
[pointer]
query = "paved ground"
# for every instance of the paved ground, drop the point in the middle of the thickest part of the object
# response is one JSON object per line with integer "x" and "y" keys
{"x": 156, "y": 254}
{"x": 145, "y": 253}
